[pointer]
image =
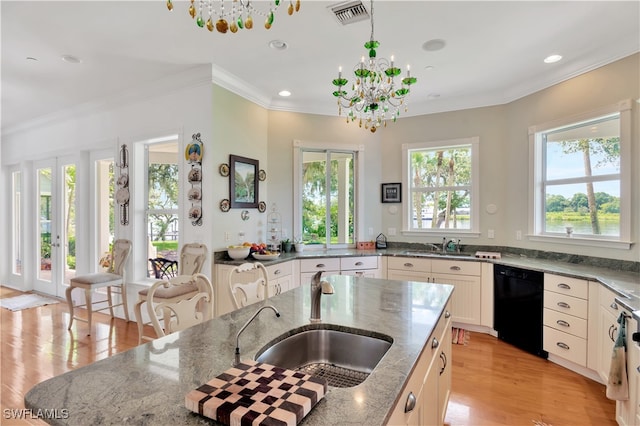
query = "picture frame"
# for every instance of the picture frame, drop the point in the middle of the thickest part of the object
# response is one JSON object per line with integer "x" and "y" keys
{"x": 243, "y": 182}
{"x": 391, "y": 192}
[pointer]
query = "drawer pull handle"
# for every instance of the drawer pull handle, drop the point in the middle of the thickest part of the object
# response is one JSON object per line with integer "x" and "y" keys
{"x": 408, "y": 265}
{"x": 612, "y": 332}
{"x": 638, "y": 369}
{"x": 563, "y": 323}
{"x": 564, "y": 305}
{"x": 455, "y": 268}
{"x": 277, "y": 272}
{"x": 614, "y": 305}
{"x": 563, "y": 345}
{"x": 411, "y": 403}
{"x": 564, "y": 286}
{"x": 359, "y": 263}
{"x": 443, "y": 357}
{"x": 359, "y": 273}
{"x": 320, "y": 265}
{"x": 434, "y": 343}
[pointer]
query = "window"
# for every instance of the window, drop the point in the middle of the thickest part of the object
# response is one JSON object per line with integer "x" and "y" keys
{"x": 16, "y": 228}
{"x": 579, "y": 184}
{"x": 440, "y": 180}
{"x": 326, "y": 195}
{"x": 162, "y": 199}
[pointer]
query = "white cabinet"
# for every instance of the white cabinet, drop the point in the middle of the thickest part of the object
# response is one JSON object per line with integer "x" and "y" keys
{"x": 309, "y": 267}
{"x": 362, "y": 266}
{"x": 280, "y": 278}
{"x": 465, "y": 276}
{"x": 565, "y": 317}
{"x": 429, "y": 386}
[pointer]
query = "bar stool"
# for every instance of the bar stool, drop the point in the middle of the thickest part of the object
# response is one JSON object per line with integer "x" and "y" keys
{"x": 111, "y": 279}
{"x": 245, "y": 287}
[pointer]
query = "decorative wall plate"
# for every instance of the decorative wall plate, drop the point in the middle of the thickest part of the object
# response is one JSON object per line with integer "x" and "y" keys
{"x": 194, "y": 194}
{"x": 193, "y": 153}
{"x": 262, "y": 175}
{"x": 224, "y": 169}
{"x": 262, "y": 206}
{"x": 195, "y": 175}
{"x": 225, "y": 205}
{"x": 195, "y": 213}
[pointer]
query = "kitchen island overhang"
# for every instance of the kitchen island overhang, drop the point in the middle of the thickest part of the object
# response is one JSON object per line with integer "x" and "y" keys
{"x": 147, "y": 384}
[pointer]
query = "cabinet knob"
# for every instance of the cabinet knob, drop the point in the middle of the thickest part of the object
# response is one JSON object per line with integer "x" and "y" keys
{"x": 435, "y": 343}
{"x": 614, "y": 305}
{"x": 411, "y": 403}
{"x": 447, "y": 314}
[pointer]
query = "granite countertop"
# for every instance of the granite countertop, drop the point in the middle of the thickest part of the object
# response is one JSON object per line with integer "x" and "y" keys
{"x": 148, "y": 384}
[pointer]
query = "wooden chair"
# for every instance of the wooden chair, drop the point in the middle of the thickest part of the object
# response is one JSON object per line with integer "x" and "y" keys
{"x": 192, "y": 258}
{"x": 113, "y": 280}
{"x": 245, "y": 288}
{"x": 164, "y": 268}
{"x": 180, "y": 313}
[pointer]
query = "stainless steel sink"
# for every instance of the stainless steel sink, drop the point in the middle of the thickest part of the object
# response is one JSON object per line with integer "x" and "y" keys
{"x": 343, "y": 358}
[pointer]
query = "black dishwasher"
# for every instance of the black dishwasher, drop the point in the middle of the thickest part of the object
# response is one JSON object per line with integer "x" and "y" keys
{"x": 518, "y": 307}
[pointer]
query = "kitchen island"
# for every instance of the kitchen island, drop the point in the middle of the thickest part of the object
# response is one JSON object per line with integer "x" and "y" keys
{"x": 148, "y": 384}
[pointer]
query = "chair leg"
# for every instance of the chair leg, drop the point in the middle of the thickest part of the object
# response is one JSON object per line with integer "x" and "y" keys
{"x": 87, "y": 297}
{"x": 110, "y": 301}
{"x": 125, "y": 304}
{"x": 137, "y": 311}
{"x": 70, "y": 303}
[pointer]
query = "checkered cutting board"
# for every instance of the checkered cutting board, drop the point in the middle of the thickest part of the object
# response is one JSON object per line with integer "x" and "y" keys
{"x": 254, "y": 393}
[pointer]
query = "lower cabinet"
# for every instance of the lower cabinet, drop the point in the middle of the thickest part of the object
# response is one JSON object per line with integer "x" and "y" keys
{"x": 425, "y": 397}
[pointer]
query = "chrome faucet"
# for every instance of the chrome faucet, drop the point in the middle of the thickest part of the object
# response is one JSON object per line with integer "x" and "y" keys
{"x": 237, "y": 357}
{"x": 432, "y": 246}
{"x": 318, "y": 288}
{"x": 444, "y": 244}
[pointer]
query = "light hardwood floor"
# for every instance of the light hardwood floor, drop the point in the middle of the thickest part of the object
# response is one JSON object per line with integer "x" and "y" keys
{"x": 493, "y": 382}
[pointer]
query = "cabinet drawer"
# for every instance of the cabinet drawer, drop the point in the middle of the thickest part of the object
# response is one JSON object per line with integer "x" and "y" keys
{"x": 455, "y": 267}
{"x": 608, "y": 301}
{"x": 409, "y": 264}
{"x": 565, "y": 345}
{"x": 564, "y": 322}
{"x": 279, "y": 270}
{"x": 360, "y": 262}
{"x": 567, "y": 304}
{"x": 321, "y": 264}
{"x": 565, "y": 285}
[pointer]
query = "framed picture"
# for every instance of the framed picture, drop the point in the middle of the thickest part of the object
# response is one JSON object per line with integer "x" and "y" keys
{"x": 243, "y": 182}
{"x": 391, "y": 192}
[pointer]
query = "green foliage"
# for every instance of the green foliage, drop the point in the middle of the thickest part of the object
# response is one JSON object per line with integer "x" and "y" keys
{"x": 162, "y": 246}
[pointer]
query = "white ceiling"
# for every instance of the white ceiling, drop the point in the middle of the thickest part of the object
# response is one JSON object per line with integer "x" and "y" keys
{"x": 494, "y": 51}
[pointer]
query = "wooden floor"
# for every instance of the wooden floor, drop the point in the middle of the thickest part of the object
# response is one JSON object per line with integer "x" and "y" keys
{"x": 493, "y": 382}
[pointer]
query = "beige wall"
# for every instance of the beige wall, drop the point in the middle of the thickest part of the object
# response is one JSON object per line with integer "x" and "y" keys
{"x": 503, "y": 132}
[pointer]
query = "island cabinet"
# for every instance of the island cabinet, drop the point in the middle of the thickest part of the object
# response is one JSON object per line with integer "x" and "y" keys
{"x": 565, "y": 314}
{"x": 280, "y": 275}
{"x": 425, "y": 396}
{"x": 465, "y": 276}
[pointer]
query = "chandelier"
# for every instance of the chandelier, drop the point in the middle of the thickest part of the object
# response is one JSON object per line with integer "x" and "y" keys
{"x": 239, "y": 15}
{"x": 375, "y": 96}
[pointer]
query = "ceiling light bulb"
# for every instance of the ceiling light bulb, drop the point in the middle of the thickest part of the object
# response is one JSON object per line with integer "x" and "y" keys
{"x": 284, "y": 93}
{"x": 552, "y": 58}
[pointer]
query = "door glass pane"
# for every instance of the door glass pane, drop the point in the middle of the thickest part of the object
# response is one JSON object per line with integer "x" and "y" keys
{"x": 314, "y": 197}
{"x": 69, "y": 216}
{"x": 342, "y": 198}
{"x": 45, "y": 210}
{"x": 105, "y": 213}
{"x": 17, "y": 224}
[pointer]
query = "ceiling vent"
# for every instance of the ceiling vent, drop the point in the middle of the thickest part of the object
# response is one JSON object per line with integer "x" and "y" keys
{"x": 349, "y": 12}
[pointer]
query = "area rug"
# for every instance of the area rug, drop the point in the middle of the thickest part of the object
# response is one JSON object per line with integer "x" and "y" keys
{"x": 25, "y": 301}
{"x": 460, "y": 336}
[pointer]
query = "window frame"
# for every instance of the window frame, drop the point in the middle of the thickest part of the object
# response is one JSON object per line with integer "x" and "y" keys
{"x": 537, "y": 179}
{"x": 474, "y": 208}
{"x": 358, "y": 151}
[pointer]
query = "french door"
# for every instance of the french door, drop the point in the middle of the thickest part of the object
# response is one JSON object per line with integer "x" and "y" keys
{"x": 55, "y": 222}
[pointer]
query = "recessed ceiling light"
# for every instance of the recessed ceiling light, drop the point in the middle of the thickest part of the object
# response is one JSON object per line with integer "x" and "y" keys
{"x": 284, "y": 93}
{"x": 433, "y": 45}
{"x": 70, "y": 59}
{"x": 278, "y": 45}
{"x": 31, "y": 58}
{"x": 433, "y": 95}
{"x": 429, "y": 68}
{"x": 552, "y": 58}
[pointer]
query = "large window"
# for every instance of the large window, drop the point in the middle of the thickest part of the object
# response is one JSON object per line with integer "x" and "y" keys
{"x": 326, "y": 200}
{"x": 440, "y": 181}
{"x": 579, "y": 181}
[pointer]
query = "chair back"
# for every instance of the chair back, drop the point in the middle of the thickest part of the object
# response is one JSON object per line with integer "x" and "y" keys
{"x": 120, "y": 253}
{"x": 192, "y": 258}
{"x": 248, "y": 284}
{"x": 164, "y": 268}
{"x": 185, "y": 312}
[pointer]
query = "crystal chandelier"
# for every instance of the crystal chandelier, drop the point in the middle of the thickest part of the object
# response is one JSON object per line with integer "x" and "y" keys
{"x": 375, "y": 96}
{"x": 239, "y": 15}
